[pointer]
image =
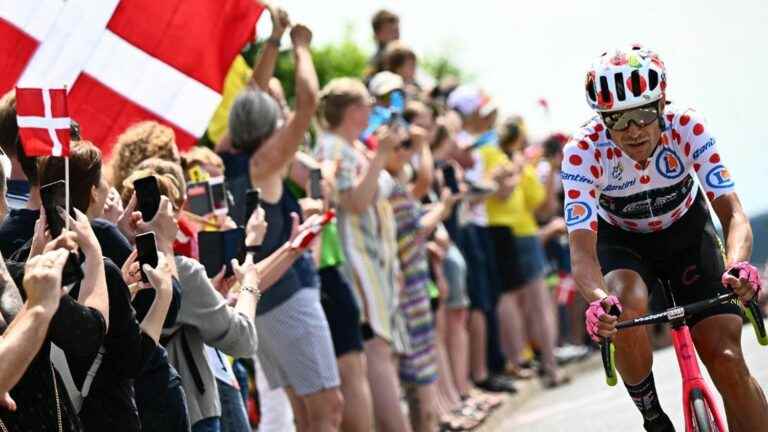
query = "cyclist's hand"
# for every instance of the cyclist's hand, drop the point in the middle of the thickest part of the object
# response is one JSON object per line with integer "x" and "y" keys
{"x": 744, "y": 279}
{"x": 599, "y": 323}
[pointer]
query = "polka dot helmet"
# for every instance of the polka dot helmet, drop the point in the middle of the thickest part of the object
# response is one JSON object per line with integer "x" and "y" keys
{"x": 625, "y": 78}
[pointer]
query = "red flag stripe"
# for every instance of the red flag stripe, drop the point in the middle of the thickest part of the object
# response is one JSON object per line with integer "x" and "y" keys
{"x": 17, "y": 48}
{"x": 109, "y": 113}
{"x": 199, "y": 37}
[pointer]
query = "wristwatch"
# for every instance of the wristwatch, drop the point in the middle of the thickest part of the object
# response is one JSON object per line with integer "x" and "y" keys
{"x": 274, "y": 40}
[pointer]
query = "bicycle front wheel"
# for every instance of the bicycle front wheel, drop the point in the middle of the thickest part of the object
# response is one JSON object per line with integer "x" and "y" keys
{"x": 700, "y": 413}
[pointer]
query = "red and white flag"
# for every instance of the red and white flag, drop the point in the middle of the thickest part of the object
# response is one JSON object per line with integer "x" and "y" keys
{"x": 43, "y": 121}
{"x": 124, "y": 61}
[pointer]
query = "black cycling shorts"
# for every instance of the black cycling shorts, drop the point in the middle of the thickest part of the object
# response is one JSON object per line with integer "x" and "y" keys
{"x": 689, "y": 254}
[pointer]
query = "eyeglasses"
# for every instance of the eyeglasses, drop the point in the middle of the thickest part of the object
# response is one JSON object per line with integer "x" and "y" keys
{"x": 641, "y": 116}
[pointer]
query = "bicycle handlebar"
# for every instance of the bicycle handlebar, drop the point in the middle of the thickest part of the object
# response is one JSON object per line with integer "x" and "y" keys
{"x": 752, "y": 311}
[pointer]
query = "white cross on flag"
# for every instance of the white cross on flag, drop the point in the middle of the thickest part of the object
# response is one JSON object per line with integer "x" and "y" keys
{"x": 43, "y": 121}
{"x": 124, "y": 61}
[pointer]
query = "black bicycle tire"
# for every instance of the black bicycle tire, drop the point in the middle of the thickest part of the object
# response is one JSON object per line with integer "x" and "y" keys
{"x": 701, "y": 413}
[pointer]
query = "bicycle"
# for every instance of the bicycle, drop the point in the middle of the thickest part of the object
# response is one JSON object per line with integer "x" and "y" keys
{"x": 701, "y": 413}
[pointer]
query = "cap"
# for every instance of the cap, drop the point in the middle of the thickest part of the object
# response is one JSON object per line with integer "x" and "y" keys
{"x": 384, "y": 82}
{"x": 468, "y": 99}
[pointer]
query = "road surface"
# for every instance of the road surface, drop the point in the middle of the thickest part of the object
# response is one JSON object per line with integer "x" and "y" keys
{"x": 588, "y": 404}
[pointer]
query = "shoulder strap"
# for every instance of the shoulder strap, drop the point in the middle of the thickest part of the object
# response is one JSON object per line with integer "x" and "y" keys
{"x": 77, "y": 395}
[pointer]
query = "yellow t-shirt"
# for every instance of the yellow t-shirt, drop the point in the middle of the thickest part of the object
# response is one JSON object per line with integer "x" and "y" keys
{"x": 517, "y": 210}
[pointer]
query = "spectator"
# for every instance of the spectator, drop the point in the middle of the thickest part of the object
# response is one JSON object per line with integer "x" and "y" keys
{"x": 368, "y": 240}
{"x": 17, "y": 192}
{"x": 19, "y": 344}
{"x": 511, "y": 212}
{"x": 345, "y": 106}
{"x": 418, "y": 363}
{"x": 478, "y": 116}
{"x": 141, "y": 141}
{"x": 401, "y": 60}
{"x": 295, "y": 355}
{"x": 386, "y": 28}
{"x": 77, "y": 328}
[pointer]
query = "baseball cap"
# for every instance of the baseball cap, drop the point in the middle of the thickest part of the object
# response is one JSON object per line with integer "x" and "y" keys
{"x": 468, "y": 99}
{"x": 384, "y": 82}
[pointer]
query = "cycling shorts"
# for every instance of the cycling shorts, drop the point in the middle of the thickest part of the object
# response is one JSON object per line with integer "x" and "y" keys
{"x": 688, "y": 253}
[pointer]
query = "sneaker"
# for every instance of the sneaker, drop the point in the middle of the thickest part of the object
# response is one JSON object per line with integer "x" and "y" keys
{"x": 661, "y": 423}
{"x": 497, "y": 384}
{"x": 569, "y": 353}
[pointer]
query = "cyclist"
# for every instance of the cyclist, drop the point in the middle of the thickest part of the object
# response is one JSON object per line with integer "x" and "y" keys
{"x": 635, "y": 214}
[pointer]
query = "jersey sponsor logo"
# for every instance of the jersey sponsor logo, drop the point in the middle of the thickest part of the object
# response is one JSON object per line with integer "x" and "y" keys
{"x": 577, "y": 212}
{"x": 575, "y": 177}
{"x": 668, "y": 164}
{"x": 619, "y": 187}
{"x": 719, "y": 177}
{"x": 652, "y": 203}
{"x": 699, "y": 151}
{"x": 603, "y": 144}
{"x": 617, "y": 171}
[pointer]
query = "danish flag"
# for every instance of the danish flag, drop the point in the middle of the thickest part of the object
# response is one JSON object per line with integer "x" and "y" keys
{"x": 124, "y": 61}
{"x": 43, "y": 121}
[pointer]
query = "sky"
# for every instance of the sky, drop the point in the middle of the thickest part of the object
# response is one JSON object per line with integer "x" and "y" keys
{"x": 523, "y": 51}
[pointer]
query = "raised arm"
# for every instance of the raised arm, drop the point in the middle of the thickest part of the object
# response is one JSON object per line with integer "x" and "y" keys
{"x": 279, "y": 149}
{"x": 264, "y": 67}
{"x": 93, "y": 288}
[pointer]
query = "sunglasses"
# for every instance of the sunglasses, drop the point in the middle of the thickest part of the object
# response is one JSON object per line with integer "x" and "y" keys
{"x": 641, "y": 116}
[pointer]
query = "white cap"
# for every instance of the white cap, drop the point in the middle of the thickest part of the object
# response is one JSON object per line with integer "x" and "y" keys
{"x": 468, "y": 99}
{"x": 384, "y": 82}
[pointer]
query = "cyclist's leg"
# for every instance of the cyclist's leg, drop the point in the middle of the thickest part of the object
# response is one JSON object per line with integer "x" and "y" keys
{"x": 628, "y": 278}
{"x": 718, "y": 342}
{"x": 634, "y": 356}
{"x": 717, "y": 336}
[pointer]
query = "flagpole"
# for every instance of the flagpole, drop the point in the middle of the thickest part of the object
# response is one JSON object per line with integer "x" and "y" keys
{"x": 66, "y": 175}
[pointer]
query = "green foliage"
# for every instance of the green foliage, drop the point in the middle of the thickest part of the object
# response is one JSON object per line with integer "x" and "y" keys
{"x": 332, "y": 60}
{"x": 441, "y": 66}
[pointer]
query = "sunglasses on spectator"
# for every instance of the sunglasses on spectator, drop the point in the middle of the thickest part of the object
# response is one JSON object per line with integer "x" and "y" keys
{"x": 641, "y": 116}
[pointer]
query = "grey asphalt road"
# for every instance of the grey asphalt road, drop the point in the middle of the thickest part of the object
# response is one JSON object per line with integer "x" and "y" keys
{"x": 588, "y": 404}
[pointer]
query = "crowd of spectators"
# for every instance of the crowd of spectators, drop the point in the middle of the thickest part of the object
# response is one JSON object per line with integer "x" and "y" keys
{"x": 442, "y": 279}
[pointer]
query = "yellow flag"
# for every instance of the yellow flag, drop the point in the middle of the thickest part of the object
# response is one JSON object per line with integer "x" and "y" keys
{"x": 237, "y": 79}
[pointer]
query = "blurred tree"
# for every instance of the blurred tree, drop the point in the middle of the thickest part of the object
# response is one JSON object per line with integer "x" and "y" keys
{"x": 443, "y": 65}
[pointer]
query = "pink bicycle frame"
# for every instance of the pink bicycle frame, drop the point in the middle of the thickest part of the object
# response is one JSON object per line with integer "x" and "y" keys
{"x": 692, "y": 379}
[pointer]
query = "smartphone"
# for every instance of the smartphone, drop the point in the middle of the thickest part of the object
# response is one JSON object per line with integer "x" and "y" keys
{"x": 53, "y": 196}
{"x": 199, "y": 198}
{"x": 148, "y": 196}
{"x": 147, "y": 252}
{"x": 72, "y": 271}
{"x": 449, "y": 176}
{"x": 252, "y": 202}
{"x": 218, "y": 248}
{"x": 219, "y": 196}
{"x": 315, "y": 176}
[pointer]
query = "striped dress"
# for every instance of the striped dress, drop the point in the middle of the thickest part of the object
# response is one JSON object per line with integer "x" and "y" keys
{"x": 418, "y": 364}
{"x": 367, "y": 239}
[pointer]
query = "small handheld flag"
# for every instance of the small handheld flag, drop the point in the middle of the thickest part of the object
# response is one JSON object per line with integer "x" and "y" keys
{"x": 43, "y": 121}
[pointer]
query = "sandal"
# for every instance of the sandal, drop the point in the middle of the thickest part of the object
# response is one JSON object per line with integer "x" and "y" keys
{"x": 453, "y": 422}
{"x": 484, "y": 401}
{"x": 556, "y": 379}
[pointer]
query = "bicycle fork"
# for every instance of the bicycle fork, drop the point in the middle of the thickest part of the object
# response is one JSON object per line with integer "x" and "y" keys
{"x": 692, "y": 378}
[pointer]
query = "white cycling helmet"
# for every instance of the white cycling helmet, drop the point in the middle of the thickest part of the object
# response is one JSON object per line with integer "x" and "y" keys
{"x": 625, "y": 78}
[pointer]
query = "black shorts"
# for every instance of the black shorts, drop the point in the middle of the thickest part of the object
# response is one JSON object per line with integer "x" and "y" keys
{"x": 689, "y": 254}
{"x": 503, "y": 247}
{"x": 341, "y": 312}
